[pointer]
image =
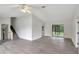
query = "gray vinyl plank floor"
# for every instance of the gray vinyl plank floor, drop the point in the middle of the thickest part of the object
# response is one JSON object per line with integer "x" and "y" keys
{"x": 43, "y": 45}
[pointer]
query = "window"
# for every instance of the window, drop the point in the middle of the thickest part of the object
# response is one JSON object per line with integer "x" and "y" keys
{"x": 58, "y": 30}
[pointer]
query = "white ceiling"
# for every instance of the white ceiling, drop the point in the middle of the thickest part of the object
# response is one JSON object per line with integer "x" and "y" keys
{"x": 52, "y": 12}
{"x": 10, "y": 10}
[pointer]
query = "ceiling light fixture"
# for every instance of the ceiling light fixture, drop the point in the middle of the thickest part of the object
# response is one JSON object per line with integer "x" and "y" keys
{"x": 25, "y": 8}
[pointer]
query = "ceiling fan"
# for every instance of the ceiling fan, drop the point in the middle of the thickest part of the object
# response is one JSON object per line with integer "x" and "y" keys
{"x": 25, "y": 8}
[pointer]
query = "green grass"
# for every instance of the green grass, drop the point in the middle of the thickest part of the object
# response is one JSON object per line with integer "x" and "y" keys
{"x": 58, "y": 34}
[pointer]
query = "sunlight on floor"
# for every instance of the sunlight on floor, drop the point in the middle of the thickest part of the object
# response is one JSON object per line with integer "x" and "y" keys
{"x": 60, "y": 39}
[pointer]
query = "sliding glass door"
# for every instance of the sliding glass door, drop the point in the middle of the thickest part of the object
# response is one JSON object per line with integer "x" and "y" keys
{"x": 58, "y": 30}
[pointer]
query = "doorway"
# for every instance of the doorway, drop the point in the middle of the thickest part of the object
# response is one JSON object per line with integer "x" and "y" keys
{"x": 4, "y": 32}
{"x": 58, "y": 30}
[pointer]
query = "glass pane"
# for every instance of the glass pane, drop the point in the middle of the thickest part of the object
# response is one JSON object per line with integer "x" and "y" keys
{"x": 58, "y": 30}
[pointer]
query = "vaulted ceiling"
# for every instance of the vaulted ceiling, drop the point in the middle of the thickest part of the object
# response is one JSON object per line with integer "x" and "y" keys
{"x": 51, "y": 12}
{"x": 54, "y": 12}
{"x": 10, "y": 10}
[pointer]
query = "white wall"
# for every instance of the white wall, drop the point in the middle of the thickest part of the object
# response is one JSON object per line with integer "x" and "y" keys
{"x": 75, "y": 39}
{"x": 28, "y": 27}
{"x": 48, "y": 29}
{"x": 60, "y": 14}
{"x": 74, "y": 33}
{"x": 36, "y": 27}
{"x": 23, "y": 27}
{"x": 67, "y": 28}
{"x": 76, "y": 14}
{"x": 5, "y": 20}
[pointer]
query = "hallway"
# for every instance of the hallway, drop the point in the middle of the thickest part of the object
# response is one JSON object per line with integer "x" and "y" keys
{"x": 44, "y": 45}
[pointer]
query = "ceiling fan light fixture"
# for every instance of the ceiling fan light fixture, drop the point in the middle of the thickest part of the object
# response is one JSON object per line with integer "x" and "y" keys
{"x": 28, "y": 11}
{"x": 25, "y": 8}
